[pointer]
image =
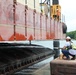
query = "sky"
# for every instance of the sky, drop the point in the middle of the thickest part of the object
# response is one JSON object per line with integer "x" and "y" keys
{"x": 68, "y": 9}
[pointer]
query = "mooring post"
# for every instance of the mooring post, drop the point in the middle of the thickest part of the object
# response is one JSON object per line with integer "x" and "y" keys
{"x": 56, "y": 46}
{"x": 30, "y": 42}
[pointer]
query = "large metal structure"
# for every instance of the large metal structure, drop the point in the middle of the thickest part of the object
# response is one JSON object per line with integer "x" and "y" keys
{"x": 19, "y": 22}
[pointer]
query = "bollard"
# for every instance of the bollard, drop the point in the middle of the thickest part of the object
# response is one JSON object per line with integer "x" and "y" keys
{"x": 56, "y": 46}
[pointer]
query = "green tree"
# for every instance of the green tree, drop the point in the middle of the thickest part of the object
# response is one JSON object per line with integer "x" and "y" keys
{"x": 72, "y": 34}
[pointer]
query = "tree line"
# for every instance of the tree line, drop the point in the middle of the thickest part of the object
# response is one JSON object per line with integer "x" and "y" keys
{"x": 72, "y": 34}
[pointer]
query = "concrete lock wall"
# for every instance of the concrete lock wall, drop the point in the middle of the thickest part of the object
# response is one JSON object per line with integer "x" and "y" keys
{"x": 63, "y": 67}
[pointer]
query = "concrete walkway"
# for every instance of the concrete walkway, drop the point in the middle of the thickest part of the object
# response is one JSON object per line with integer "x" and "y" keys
{"x": 45, "y": 70}
{"x": 63, "y": 67}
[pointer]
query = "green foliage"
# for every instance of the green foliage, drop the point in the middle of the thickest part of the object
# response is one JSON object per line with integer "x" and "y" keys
{"x": 72, "y": 34}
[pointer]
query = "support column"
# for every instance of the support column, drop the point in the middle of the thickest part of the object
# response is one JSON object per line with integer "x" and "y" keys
{"x": 56, "y": 46}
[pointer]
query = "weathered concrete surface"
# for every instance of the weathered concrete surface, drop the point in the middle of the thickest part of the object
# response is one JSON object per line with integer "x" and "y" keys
{"x": 63, "y": 67}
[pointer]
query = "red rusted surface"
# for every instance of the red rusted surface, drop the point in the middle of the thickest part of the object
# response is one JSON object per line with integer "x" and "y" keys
{"x": 52, "y": 29}
{"x": 1, "y": 38}
{"x": 48, "y": 28}
{"x": 28, "y": 25}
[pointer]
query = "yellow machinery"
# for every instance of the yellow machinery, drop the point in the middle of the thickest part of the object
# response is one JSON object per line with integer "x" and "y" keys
{"x": 56, "y": 10}
{"x": 53, "y": 10}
